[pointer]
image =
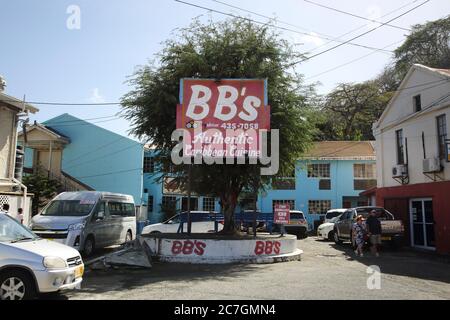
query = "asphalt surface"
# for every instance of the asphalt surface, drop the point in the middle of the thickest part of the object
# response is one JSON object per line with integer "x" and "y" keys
{"x": 326, "y": 271}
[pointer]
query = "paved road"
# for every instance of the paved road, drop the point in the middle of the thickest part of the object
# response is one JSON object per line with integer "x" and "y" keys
{"x": 326, "y": 271}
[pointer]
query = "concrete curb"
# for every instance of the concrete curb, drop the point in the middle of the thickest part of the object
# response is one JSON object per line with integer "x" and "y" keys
{"x": 293, "y": 256}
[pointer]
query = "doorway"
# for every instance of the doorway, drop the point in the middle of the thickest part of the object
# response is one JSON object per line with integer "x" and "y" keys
{"x": 422, "y": 223}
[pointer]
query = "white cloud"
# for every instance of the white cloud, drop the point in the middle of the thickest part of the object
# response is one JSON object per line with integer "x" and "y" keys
{"x": 96, "y": 97}
{"x": 373, "y": 13}
{"x": 312, "y": 38}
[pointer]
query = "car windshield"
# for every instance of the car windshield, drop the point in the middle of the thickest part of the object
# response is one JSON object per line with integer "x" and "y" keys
{"x": 297, "y": 215}
{"x": 174, "y": 219}
{"x": 332, "y": 214}
{"x": 13, "y": 231}
{"x": 64, "y": 208}
{"x": 335, "y": 218}
{"x": 380, "y": 213}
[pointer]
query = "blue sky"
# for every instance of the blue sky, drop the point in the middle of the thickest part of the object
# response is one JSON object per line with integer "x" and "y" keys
{"x": 43, "y": 59}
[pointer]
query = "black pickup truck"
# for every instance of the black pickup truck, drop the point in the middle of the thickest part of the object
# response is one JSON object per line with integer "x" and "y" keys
{"x": 391, "y": 230}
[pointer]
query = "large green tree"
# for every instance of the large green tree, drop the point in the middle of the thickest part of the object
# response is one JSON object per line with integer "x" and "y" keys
{"x": 233, "y": 48}
{"x": 349, "y": 111}
{"x": 428, "y": 44}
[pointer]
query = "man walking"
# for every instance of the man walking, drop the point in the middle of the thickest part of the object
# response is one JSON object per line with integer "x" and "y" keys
{"x": 374, "y": 232}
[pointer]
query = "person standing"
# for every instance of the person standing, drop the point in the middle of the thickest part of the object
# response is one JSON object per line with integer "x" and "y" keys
{"x": 20, "y": 215}
{"x": 374, "y": 232}
{"x": 359, "y": 231}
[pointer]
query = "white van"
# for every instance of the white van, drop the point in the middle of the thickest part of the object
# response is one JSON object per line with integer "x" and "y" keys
{"x": 87, "y": 220}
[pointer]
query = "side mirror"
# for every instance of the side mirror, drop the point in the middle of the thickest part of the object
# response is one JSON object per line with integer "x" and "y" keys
{"x": 100, "y": 215}
{"x": 170, "y": 222}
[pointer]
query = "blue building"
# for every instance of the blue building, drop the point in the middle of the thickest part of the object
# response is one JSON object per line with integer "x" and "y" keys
{"x": 331, "y": 175}
{"x": 84, "y": 156}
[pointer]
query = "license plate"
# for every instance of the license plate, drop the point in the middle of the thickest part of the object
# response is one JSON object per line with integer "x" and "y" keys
{"x": 386, "y": 238}
{"x": 79, "y": 272}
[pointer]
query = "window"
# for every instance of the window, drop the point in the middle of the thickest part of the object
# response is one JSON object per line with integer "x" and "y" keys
{"x": 169, "y": 202}
{"x": 209, "y": 204}
{"x": 319, "y": 206}
{"x": 283, "y": 183}
{"x": 193, "y": 204}
{"x": 417, "y": 103}
{"x": 291, "y": 203}
{"x": 319, "y": 170}
{"x": 364, "y": 171}
{"x": 442, "y": 136}
{"x": 121, "y": 209}
{"x": 324, "y": 184}
{"x": 400, "y": 151}
{"x": 149, "y": 164}
{"x": 150, "y": 204}
{"x": 364, "y": 176}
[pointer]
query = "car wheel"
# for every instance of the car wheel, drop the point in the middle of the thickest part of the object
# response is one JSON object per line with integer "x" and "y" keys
{"x": 302, "y": 234}
{"x": 89, "y": 246}
{"x": 331, "y": 235}
{"x": 128, "y": 237}
{"x": 16, "y": 285}
{"x": 336, "y": 238}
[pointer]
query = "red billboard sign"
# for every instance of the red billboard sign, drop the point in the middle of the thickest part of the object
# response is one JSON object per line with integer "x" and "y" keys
{"x": 221, "y": 113}
{"x": 281, "y": 214}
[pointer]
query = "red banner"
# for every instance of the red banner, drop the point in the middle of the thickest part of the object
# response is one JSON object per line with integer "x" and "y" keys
{"x": 282, "y": 214}
{"x": 223, "y": 113}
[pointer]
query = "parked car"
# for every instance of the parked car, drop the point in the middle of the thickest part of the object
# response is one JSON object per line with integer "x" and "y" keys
{"x": 331, "y": 214}
{"x": 297, "y": 224}
{"x": 202, "y": 222}
{"x": 392, "y": 230}
{"x": 87, "y": 220}
{"x": 326, "y": 230}
{"x": 30, "y": 265}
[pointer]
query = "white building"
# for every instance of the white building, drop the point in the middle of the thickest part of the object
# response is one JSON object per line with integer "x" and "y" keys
{"x": 12, "y": 191}
{"x": 413, "y": 168}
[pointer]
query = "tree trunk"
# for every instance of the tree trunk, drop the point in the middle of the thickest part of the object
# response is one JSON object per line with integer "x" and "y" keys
{"x": 229, "y": 202}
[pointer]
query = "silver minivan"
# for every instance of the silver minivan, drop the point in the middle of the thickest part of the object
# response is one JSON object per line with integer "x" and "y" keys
{"x": 87, "y": 220}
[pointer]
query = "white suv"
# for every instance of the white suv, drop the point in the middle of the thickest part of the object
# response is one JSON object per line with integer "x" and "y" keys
{"x": 30, "y": 265}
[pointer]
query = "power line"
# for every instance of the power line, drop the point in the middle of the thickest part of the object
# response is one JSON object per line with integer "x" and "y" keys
{"x": 63, "y": 103}
{"x": 96, "y": 149}
{"x": 364, "y": 25}
{"x": 275, "y": 26}
{"x": 108, "y": 173}
{"x": 83, "y": 124}
{"x": 358, "y": 36}
{"x": 435, "y": 102}
{"x": 322, "y": 35}
{"x": 350, "y": 62}
{"x": 100, "y": 157}
{"x": 78, "y": 120}
{"x": 354, "y": 15}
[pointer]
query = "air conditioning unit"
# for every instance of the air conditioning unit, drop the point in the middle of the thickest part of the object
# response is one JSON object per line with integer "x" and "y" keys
{"x": 399, "y": 171}
{"x": 431, "y": 165}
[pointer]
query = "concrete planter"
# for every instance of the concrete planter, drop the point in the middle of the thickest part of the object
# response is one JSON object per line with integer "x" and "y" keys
{"x": 198, "y": 250}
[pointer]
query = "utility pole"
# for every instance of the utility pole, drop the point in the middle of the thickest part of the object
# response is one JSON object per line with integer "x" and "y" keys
{"x": 189, "y": 200}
